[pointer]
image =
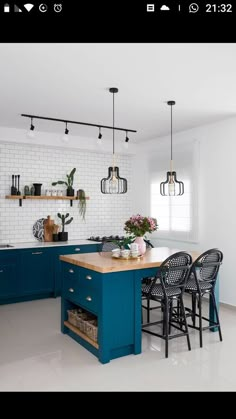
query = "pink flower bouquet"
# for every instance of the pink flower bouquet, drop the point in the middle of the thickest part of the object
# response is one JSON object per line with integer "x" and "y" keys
{"x": 139, "y": 225}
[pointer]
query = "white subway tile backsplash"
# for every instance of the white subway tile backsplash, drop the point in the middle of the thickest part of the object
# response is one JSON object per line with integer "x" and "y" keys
{"x": 105, "y": 214}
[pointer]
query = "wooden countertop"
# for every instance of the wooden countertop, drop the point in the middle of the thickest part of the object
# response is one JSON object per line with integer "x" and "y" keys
{"x": 104, "y": 263}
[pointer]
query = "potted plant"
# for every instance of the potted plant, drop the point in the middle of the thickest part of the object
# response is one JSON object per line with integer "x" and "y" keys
{"x": 69, "y": 183}
{"x": 82, "y": 202}
{"x": 63, "y": 236}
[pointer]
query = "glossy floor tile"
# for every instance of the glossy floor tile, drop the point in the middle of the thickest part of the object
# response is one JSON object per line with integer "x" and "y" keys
{"x": 35, "y": 356}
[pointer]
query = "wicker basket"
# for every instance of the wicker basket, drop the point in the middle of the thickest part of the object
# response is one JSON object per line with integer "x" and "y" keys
{"x": 81, "y": 317}
{"x": 91, "y": 329}
{"x": 72, "y": 316}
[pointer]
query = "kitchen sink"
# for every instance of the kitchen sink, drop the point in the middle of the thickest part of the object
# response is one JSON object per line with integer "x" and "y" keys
{"x": 3, "y": 246}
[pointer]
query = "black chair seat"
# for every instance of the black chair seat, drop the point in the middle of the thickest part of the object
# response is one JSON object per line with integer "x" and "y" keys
{"x": 158, "y": 292}
{"x": 192, "y": 285}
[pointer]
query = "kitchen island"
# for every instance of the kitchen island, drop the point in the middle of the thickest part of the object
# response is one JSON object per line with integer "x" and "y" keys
{"x": 109, "y": 289}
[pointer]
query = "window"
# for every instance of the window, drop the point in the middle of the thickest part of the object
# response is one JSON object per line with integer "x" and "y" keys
{"x": 177, "y": 215}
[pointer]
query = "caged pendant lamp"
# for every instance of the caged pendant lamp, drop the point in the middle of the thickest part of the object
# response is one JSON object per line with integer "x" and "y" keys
{"x": 113, "y": 184}
{"x": 171, "y": 186}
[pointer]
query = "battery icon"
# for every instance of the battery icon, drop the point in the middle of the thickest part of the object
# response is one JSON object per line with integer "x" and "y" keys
{"x": 6, "y": 8}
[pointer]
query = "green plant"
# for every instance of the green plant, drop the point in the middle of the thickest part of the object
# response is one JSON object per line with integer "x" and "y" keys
{"x": 63, "y": 220}
{"x": 124, "y": 243}
{"x": 82, "y": 203}
{"x": 69, "y": 182}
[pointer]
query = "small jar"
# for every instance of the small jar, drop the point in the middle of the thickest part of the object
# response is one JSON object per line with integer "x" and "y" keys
{"x": 54, "y": 192}
{"x": 48, "y": 192}
{"x": 60, "y": 192}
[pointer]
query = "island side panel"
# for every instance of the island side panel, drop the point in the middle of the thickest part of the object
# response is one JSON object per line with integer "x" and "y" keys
{"x": 119, "y": 331}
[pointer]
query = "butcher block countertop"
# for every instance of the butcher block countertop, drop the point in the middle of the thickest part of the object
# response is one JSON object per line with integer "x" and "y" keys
{"x": 104, "y": 263}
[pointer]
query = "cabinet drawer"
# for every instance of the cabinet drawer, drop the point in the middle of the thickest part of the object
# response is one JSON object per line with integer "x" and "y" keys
{"x": 84, "y": 277}
{"x": 84, "y": 297}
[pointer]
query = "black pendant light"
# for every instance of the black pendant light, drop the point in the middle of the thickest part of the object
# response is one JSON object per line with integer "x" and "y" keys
{"x": 171, "y": 186}
{"x": 113, "y": 184}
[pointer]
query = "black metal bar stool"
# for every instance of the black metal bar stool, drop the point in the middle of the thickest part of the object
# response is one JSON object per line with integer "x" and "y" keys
{"x": 172, "y": 277}
{"x": 202, "y": 280}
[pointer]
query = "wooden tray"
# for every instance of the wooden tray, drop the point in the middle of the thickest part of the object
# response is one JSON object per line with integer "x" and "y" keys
{"x": 127, "y": 257}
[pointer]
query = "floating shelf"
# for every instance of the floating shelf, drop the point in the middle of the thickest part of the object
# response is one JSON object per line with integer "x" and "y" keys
{"x": 81, "y": 334}
{"x": 45, "y": 197}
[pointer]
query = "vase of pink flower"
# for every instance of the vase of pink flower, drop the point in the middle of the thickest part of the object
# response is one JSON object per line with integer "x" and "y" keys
{"x": 139, "y": 226}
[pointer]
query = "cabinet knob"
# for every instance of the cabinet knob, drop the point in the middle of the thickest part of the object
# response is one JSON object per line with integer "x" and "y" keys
{"x": 37, "y": 253}
{"x": 89, "y": 298}
{"x": 71, "y": 271}
{"x": 88, "y": 277}
{"x": 71, "y": 290}
{"x": 77, "y": 249}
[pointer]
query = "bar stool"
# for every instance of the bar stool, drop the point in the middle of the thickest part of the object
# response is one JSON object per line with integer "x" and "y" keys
{"x": 202, "y": 280}
{"x": 172, "y": 276}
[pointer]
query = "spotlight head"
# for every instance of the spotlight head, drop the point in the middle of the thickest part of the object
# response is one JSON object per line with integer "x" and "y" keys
{"x": 66, "y": 131}
{"x": 32, "y": 127}
{"x": 99, "y": 136}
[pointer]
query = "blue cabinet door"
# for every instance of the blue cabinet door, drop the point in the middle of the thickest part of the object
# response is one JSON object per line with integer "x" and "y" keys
{"x": 36, "y": 272}
{"x": 9, "y": 286}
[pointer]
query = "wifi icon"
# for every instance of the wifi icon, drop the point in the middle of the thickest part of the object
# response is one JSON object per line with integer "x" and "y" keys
{"x": 28, "y": 6}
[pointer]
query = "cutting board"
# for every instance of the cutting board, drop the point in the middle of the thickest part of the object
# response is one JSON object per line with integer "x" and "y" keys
{"x": 48, "y": 229}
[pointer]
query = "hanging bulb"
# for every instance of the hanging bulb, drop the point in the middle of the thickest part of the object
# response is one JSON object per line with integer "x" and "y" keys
{"x": 171, "y": 186}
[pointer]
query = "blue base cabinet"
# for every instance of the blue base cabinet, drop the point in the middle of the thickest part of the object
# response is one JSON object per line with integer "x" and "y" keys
{"x": 9, "y": 284}
{"x": 115, "y": 298}
{"x": 29, "y": 274}
{"x": 36, "y": 272}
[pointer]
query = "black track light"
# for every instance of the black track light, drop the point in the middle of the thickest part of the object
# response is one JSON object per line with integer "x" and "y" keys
{"x": 65, "y": 137}
{"x": 30, "y": 133}
{"x": 100, "y": 134}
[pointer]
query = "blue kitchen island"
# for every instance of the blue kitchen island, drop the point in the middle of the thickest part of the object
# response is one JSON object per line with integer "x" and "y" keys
{"x": 109, "y": 289}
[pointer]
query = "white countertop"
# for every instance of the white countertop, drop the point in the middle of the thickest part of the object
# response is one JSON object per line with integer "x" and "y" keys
{"x": 38, "y": 244}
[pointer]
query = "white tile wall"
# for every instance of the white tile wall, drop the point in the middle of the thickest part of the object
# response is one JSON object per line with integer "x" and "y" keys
{"x": 105, "y": 214}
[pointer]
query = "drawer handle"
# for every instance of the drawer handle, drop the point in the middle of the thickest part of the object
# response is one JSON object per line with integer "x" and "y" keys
{"x": 71, "y": 290}
{"x": 88, "y": 277}
{"x": 37, "y": 253}
{"x": 1, "y": 270}
{"x": 71, "y": 271}
{"x": 89, "y": 298}
{"x": 77, "y": 249}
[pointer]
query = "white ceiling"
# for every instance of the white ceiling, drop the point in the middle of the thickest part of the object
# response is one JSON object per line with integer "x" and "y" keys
{"x": 71, "y": 81}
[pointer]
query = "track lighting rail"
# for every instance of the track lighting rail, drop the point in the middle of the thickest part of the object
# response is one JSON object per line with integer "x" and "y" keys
{"x": 67, "y": 121}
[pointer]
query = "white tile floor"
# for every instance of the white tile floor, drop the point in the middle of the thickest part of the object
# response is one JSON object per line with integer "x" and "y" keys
{"x": 35, "y": 356}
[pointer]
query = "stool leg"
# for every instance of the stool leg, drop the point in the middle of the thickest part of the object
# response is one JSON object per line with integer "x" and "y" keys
{"x": 217, "y": 316}
{"x": 166, "y": 321}
{"x": 170, "y": 319}
{"x": 185, "y": 322}
{"x": 148, "y": 310}
{"x": 200, "y": 319}
{"x": 194, "y": 309}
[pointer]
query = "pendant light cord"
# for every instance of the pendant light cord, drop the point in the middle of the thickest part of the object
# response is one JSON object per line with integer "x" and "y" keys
{"x": 171, "y": 134}
{"x": 113, "y": 124}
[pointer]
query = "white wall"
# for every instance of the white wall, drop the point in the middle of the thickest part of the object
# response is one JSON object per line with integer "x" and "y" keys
{"x": 217, "y": 194}
{"x": 44, "y": 164}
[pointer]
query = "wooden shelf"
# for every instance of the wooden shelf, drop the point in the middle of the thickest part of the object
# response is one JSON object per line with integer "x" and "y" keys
{"x": 46, "y": 197}
{"x": 14, "y": 196}
{"x": 81, "y": 334}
